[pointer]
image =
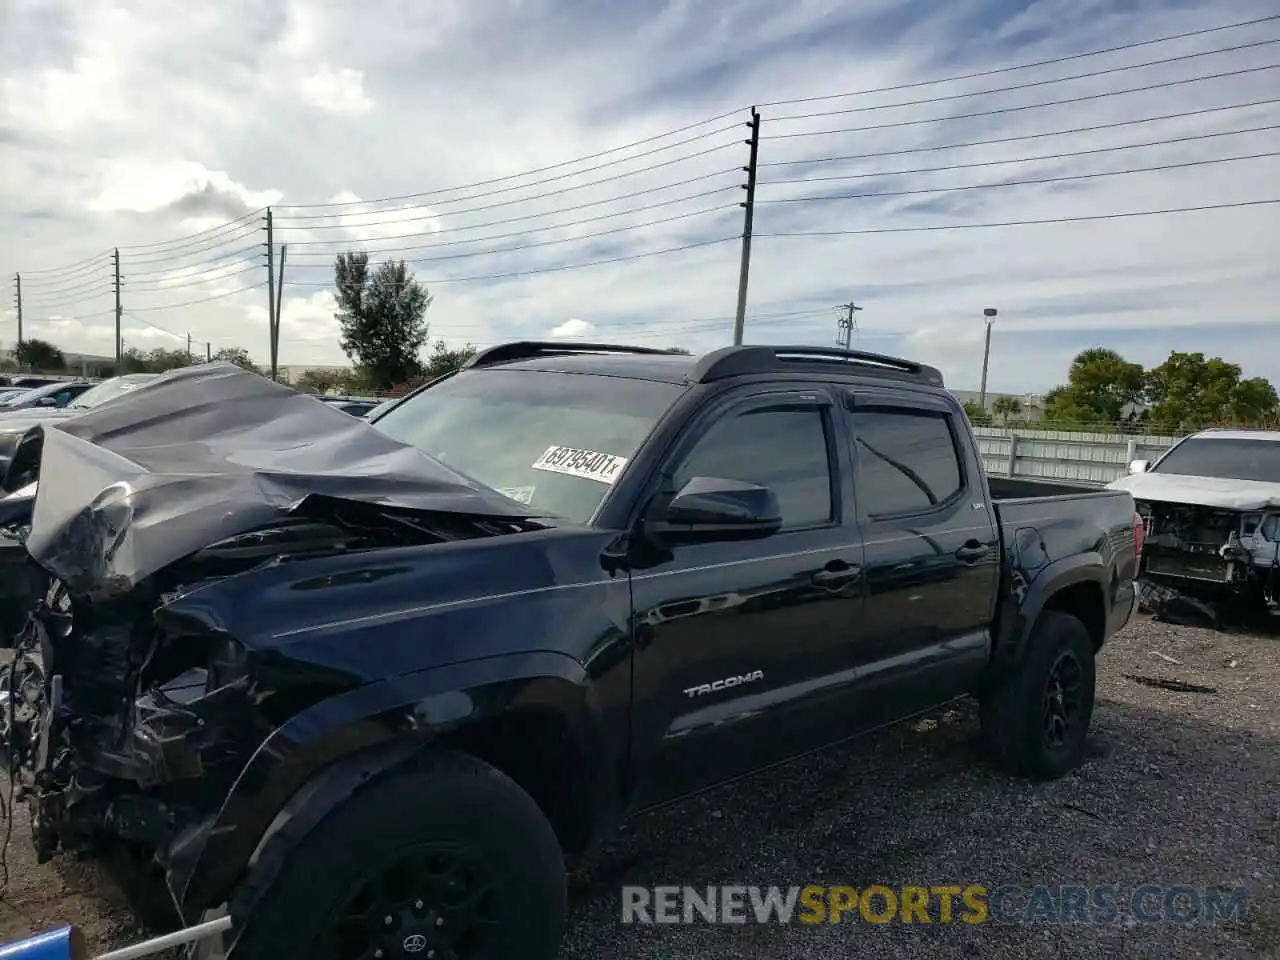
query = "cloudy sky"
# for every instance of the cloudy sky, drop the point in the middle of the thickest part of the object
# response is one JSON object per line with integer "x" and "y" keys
{"x": 506, "y": 149}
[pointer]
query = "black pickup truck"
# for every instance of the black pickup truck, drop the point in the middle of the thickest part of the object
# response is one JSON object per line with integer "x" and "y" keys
{"x": 366, "y": 687}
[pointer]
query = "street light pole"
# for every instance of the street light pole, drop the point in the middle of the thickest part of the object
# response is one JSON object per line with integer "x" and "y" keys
{"x": 990, "y": 315}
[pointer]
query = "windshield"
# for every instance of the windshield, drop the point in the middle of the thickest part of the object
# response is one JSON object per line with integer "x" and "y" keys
{"x": 555, "y": 441}
{"x": 13, "y": 396}
{"x": 108, "y": 390}
{"x": 1225, "y": 458}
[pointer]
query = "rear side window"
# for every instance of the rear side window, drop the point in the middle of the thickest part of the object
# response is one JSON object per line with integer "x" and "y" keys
{"x": 907, "y": 461}
{"x": 783, "y": 449}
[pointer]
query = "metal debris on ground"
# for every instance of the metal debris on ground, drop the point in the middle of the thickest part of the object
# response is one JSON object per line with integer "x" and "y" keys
{"x": 1165, "y": 683}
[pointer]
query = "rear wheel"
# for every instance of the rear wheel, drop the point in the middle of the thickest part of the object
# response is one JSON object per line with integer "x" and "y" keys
{"x": 448, "y": 861}
{"x": 1035, "y": 723}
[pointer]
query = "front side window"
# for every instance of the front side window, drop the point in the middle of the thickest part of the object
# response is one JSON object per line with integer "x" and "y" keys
{"x": 783, "y": 449}
{"x": 907, "y": 461}
{"x": 555, "y": 441}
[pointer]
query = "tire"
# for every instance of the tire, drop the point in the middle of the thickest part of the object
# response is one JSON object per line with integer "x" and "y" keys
{"x": 447, "y": 808}
{"x": 1015, "y": 716}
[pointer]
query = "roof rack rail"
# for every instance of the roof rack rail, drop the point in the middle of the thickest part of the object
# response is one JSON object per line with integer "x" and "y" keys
{"x": 529, "y": 349}
{"x": 741, "y": 360}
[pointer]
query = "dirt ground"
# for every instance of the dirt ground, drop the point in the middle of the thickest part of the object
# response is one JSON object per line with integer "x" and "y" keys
{"x": 1181, "y": 788}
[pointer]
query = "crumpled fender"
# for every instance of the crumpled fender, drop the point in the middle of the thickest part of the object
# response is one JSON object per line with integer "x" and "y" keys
{"x": 370, "y": 729}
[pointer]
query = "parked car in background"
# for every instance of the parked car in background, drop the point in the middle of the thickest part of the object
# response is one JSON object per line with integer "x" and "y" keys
{"x": 16, "y": 421}
{"x": 54, "y": 395}
{"x": 1211, "y": 506}
{"x": 381, "y": 408}
{"x": 9, "y": 393}
{"x": 356, "y": 406}
{"x": 27, "y": 382}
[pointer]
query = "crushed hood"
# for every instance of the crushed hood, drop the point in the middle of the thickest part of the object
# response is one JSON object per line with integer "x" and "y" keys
{"x": 208, "y": 452}
{"x": 1216, "y": 492}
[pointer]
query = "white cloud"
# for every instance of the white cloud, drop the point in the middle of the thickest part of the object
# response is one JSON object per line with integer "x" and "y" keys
{"x": 573, "y": 328}
{"x": 193, "y": 117}
{"x": 337, "y": 91}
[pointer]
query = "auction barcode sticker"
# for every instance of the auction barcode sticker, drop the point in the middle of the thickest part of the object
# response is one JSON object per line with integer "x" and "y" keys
{"x": 588, "y": 464}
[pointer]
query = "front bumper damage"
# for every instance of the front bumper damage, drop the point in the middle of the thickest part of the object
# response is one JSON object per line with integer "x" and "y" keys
{"x": 127, "y": 726}
{"x": 1213, "y": 554}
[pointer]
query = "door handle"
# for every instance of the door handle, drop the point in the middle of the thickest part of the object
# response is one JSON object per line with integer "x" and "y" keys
{"x": 836, "y": 574}
{"x": 972, "y": 552}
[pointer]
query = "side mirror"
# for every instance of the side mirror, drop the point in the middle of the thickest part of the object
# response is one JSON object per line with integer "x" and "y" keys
{"x": 1139, "y": 466}
{"x": 46, "y": 402}
{"x": 714, "y": 509}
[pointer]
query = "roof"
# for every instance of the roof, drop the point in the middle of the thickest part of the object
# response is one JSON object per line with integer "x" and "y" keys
{"x": 646, "y": 363}
{"x": 1226, "y": 433}
{"x": 664, "y": 368}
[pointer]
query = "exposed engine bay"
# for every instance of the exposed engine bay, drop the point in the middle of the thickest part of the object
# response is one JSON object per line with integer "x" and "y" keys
{"x": 1213, "y": 552}
{"x": 117, "y": 727}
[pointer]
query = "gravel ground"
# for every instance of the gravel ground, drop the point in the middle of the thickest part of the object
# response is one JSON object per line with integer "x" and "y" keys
{"x": 1180, "y": 789}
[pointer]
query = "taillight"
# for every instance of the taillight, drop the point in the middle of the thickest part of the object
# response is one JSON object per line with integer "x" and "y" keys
{"x": 1139, "y": 533}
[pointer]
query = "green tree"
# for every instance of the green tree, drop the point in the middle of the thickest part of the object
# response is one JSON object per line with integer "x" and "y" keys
{"x": 1188, "y": 391}
{"x": 160, "y": 360}
{"x": 445, "y": 359}
{"x": 1006, "y": 408}
{"x": 39, "y": 355}
{"x": 977, "y": 416}
{"x": 239, "y": 356}
{"x": 133, "y": 360}
{"x": 1100, "y": 385}
{"x": 382, "y": 317}
{"x": 680, "y": 350}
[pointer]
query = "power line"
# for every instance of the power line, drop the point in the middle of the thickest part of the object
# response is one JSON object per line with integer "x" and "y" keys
{"x": 522, "y": 186}
{"x": 658, "y": 205}
{"x": 346, "y": 242}
{"x": 1023, "y": 183}
{"x": 1025, "y": 136}
{"x": 1024, "y": 66}
{"x": 549, "y": 167}
{"x": 560, "y": 267}
{"x": 1019, "y": 223}
{"x": 216, "y": 296}
{"x": 156, "y": 326}
{"x": 1030, "y": 106}
{"x": 585, "y": 236}
{"x": 1023, "y": 86}
{"x": 1045, "y": 156}
{"x": 183, "y": 241}
{"x": 211, "y": 247}
{"x": 508, "y": 203}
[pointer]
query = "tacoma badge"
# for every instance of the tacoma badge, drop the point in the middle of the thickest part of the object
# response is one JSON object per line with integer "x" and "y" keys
{"x": 704, "y": 688}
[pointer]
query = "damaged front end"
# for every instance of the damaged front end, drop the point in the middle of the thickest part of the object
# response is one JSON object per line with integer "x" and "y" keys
{"x": 126, "y": 724}
{"x": 1213, "y": 553}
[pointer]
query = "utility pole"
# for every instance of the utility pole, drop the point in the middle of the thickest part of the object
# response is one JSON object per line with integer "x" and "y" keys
{"x": 750, "y": 206}
{"x": 275, "y": 329}
{"x": 208, "y": 353}
{"x": 847, "y": 324}
{"x": 188, "y": 348}
{"x": 17, "y": 279}
{"x": 989, "y": 314}
{"x": 115, "y": 259}
{"x": 271, "y": 292}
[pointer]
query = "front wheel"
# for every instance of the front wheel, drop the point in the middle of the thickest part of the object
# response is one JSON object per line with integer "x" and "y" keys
{"x": 1034, "y": 724}
{"x": 450, "y": 860}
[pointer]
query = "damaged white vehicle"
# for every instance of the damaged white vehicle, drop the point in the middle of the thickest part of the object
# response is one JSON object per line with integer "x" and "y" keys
{"x": 1211, "y": 505}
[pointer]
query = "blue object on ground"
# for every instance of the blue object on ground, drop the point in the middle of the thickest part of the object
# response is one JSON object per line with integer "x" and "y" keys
{"x": 65, "y": 943}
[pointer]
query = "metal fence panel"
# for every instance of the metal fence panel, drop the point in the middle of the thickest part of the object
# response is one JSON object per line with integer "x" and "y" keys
{"x": 1093, "y": 459}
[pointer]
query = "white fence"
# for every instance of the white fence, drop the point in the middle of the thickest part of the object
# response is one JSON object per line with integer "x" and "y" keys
{"x": 1092, "y": 459}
